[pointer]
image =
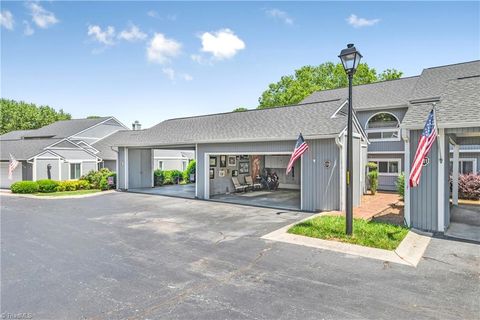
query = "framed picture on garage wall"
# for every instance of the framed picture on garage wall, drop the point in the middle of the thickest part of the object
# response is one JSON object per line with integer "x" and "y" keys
{"x": 213, "y": 161}
{"x": 232, "y": 161}
{"x": 234, "y": 173}
{"x": 223, "y": 161}
{"x": 212, "y": 173}
{"x": 244, "y": 167}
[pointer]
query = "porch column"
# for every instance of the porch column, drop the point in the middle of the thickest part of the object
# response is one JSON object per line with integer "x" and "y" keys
{"x": 406, "y": 197}
{"x": 441, "y": 179}
{"x": 456, "y": 152}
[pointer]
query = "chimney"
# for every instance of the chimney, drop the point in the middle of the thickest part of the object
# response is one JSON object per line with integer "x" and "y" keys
{"x": 136, "y": 125}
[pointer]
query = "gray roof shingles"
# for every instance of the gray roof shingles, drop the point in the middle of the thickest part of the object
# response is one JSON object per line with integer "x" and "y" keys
{"x": 254, "y": 125}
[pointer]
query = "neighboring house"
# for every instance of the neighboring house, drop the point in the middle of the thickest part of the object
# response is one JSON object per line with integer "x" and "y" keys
{"x": 62, "y": 150}
{"x": 172, "y": 159}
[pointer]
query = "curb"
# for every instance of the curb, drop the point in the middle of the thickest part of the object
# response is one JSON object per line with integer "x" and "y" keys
{"x": 30, "y": 196}
{"x": 409, "y": 252}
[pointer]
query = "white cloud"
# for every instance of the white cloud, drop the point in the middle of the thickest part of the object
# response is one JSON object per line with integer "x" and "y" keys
{"x": 133, "y": 34}
{"x": 187, "y": 77}
{"x": 105, "y": 37}
{"x": 357, "y": 22}
{"x": 169, "y": 72}
{"x": 162, "y": 49}
{"x": 153, "y": 14}
{"x": 6, "y": 19}
{"x": 280, "y": 15}
{"x": 28, "y": 30}
{"x": 222, "y": 44}
{"x": 41, "y": 17}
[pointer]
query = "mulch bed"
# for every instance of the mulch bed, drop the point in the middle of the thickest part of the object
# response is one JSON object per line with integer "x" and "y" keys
{"x": 392, "y": 215}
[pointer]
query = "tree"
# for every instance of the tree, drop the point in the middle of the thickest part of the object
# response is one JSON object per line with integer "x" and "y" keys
{"x": 240, "y": 109}
{"x": 16, "y": 115}
{"x": 294, "y": 88}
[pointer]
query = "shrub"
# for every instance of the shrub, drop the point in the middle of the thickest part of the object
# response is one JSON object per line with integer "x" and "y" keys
{"x": 469, "y": 186}
{"x": 401, "y": 185}
{"x": 83, "y": 185}
{"x": 69, "y": 185}
{"x": 191, "y": 168}
{"x": 373, "y": 176}
{"x": 158, "y": 177}
{"x": 47, "y": 185}
{"x": 104, "y": 184}
{"x": 24, "y": 187}
{"x": 95, "y": 177}
{"x": 176, "y": 176}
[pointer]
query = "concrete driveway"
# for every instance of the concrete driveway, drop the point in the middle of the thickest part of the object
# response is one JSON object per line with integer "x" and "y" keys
{"x": 135, "y": 256}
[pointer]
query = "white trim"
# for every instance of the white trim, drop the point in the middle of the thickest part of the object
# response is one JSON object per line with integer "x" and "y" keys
{"x": 387, "y": 174}
{"x": 196, "y": 172}
{"x": 473, "y": 160}
{"x": 152, "y": 166}
{"x": 406, "y": 213}
{"x": 381, "y": 130}
{"x": 95, "y": 125}
{"x": 34, "y": 169}
{"x": 126, "y": 168}
{"x": 206, "y": 182}
{"x": 239, "y": 153}
{"x": 116, "y": 171}
{"x": 170, "y": 158}
{"x": 385, "y": 152}
{"x": 37, "y": 156}
{"x": 455, "y": 168}
{"x": 301, "y": 182}
{"x": 338, "y": 110}
{"x": 441, "y": 181}
{"x": 469, "y": 151}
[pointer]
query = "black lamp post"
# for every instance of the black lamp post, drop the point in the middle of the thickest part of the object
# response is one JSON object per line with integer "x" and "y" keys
{"x": 350, "y": 59}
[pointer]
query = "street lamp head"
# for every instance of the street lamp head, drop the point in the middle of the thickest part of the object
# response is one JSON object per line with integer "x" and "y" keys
{"x": 350, "y": 58}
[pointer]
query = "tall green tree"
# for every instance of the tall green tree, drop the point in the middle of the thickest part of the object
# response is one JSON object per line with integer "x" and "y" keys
{"x": 294, "y": 88}
{"x": 19, "y": 115}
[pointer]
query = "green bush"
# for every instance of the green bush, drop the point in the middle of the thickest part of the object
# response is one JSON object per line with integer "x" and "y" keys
{"x": 95, "y": 177}
{"x": 158, "y": 177}
{"x": 47, "y": 185}
{"x": 191, "y": 168}
{"x": 24, "y": 187}
{"x": 176, "y": 176}
{"x": 373, "y": 177}
{"x": 104, "y": 184}
{"x": 68, "y": 185}
{"x": 401, "y": 185}
{"x": 83, "y": 185}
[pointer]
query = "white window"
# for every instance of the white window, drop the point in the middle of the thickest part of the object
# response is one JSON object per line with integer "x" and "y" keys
{"x": 387, "y": 167}
{"x": 75, "y": 170}
{"x": 383, "y": 126}
{"x": 465, "y": 166}
{"x": 160, "y": 165}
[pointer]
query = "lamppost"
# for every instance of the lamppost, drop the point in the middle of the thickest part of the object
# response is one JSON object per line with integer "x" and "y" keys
{"x": 350, "y": 58}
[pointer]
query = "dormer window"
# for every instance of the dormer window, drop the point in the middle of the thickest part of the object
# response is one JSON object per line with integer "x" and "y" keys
{"x": 383, "y": 126}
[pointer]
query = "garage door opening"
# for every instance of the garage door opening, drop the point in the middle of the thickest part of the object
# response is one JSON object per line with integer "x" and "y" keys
{"x": 257, "y": 179}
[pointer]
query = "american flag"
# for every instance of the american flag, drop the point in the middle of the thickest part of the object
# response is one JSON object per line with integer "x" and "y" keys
{"x": 300, "y": 147}
{"x": 425, "y": 143}
{"x": 11, "y": 166}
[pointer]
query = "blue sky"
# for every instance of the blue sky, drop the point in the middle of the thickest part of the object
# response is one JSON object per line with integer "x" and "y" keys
{"x": 152, "y": 61}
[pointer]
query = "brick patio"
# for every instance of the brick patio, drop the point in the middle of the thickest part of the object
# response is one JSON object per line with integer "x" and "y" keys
{"x": 372, "y": 205}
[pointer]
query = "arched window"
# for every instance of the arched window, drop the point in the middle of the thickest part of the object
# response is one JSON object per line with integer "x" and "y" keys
{"x": 383, "y": 126}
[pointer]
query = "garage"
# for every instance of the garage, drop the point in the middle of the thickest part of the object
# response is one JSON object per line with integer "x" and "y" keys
{"x": 16, "y": 176}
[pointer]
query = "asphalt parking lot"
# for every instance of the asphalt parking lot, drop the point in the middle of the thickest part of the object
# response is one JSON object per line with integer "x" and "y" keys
{"x": 135, "y": 256}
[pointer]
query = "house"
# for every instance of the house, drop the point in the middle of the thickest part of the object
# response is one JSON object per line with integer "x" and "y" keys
{"x": 62, "y": 150}
{"x": 240, "y": 144}
{"x": 389, "y": 117}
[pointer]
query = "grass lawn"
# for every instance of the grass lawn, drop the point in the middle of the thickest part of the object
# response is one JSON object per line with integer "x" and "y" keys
{"x": 68, "y": 193}
{"x": 365, "y": 233}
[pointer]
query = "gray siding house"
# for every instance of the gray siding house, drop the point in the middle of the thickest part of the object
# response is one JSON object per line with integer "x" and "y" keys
{"x": 266, "y": 136}
{"x": 62, "y": 150}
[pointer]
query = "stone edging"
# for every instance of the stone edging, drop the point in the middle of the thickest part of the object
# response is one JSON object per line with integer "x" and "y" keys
{"x": 409, "y": 252}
